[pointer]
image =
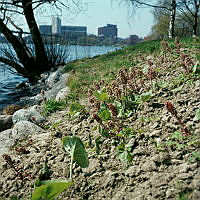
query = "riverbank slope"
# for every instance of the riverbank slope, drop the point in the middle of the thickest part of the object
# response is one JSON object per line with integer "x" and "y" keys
{"x": 137, "y": 111}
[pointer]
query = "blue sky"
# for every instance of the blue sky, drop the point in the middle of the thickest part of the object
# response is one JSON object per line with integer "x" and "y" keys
{"x": 102, "y": 12}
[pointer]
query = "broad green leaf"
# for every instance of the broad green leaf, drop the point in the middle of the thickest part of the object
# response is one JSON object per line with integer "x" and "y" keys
{"x": 105, "y": 115}
{"x": 74, "y": 146}
{"x": 49, "y": 190}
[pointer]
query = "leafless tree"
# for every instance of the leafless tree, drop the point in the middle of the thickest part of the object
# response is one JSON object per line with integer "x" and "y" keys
{"x": 28, "y": 63}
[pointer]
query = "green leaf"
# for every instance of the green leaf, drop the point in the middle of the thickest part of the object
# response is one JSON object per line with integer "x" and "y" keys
{"x": 75, "y": 147}
{"x": 125, "y": 157}
{"x": 197, "y": 115}
{"x": 49, "y": 190}
{"x": 177, "y": 135}
{"x": 105, "y": 115}
{"x": 76, "y": 107}
{"x": 101, "y": 96}
{"x": 146, "y": 96}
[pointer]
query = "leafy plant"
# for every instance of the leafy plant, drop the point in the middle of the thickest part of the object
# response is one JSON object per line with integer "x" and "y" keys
{"x": 52, "y": 105}
{"x": 75, "y": 147}
{"x": 124, "y": 153}
{"x": 195, "y": 157}
{"x": 75, "y": 109}
{"x": 49, "y": 190}
{"x": 179, "y": 141}
{"x": 170, "y": 107}
{"x": 197, "y": 115}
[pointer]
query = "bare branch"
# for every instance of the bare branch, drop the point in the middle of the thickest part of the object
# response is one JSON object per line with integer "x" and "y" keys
{"x": 13, "y": 64}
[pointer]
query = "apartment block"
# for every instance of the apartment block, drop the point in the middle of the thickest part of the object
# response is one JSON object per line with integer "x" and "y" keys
{"x": 109, "y": 30}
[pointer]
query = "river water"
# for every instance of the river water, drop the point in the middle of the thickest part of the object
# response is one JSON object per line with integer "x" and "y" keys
{"x": 9, "y": 80}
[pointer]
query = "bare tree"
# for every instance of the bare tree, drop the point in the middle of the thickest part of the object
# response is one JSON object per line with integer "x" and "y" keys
{"x": 191, "y": 9}
{"x": 28, "y": 63}
{"x": 169, "y": 5}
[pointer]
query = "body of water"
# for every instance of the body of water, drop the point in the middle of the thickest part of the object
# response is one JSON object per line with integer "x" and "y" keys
{"x": 9, "y": 80}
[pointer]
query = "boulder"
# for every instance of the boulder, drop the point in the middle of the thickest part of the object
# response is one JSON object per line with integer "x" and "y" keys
{"x": 51, "y": 94}
{"x": 30, "y": 114}
{"x": 7, "y": 139}
{"x": 62, "y": 94}
{"x": 54, "y": 77}
{"x": 20, "y": 115}
{"x": 27, "y": 128}
{"x": 5, "y": 122}
{"x": 34, "y": 100}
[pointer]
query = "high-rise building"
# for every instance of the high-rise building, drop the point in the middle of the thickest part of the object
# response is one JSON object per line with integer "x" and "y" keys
{"x": 108, "y": 31}
{"x": 56, "y": 26}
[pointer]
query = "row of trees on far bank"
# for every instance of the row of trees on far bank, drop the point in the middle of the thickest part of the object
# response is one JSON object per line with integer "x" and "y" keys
{"x": 173, "y": 17}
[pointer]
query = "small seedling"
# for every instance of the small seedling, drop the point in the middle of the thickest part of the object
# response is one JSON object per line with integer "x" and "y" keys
{"x": 75, "y": 147}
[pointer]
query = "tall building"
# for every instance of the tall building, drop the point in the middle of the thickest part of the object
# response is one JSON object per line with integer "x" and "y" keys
{"x": 56, "y": 26}
{"x": 67, "y": 32}
{"x": 73, "y": 32}
{"x": 108, "y": 31}
{"x": 45, "y": 29}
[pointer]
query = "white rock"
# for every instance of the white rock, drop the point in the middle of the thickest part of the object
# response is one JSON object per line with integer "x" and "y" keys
{"x": 32, "y": 114}
{"x": 7, "y": 139}
{"x": 21, "y": 115}
{"x": 27, "y": 128}
{"x": 62, "y": 94}
{"x": 51, "y": 94}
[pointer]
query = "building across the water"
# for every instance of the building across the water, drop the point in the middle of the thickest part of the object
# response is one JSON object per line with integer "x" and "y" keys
{"x": 109, "y": 30}
{"x": 67, "y": 32}
{"x": 45, "y": 29}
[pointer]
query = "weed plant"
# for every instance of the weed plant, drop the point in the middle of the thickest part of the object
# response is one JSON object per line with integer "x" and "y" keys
{"x": 51, "y": 106}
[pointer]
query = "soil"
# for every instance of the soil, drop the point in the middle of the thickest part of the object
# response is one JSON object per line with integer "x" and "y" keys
{"x": 165, "y": 166}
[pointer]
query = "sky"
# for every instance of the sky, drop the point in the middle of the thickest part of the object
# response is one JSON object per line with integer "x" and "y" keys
{"x": 101, "y": 12}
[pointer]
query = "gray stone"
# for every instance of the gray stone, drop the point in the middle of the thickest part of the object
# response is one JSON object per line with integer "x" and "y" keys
{"x": 20, "y": 115}
{"x": 35, "y": 115}
{"x": 27, "y": 128}
{"x": 62, "y": 94}
{"x": 54, "y": 77}
{"x": 7, "y": 139}
{"x": 51, "y": 94}
{"x": 30, "y": 114}
{"x": 5, "y": 122}
{"x": 35, "y": 100}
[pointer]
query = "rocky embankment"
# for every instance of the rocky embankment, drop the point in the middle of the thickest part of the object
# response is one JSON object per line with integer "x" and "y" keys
{"x": 166, "y": 156}
{"x": 16, "y": 121}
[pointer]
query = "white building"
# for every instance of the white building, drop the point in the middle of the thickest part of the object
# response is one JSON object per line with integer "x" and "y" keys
{"x": 56, "y": 26}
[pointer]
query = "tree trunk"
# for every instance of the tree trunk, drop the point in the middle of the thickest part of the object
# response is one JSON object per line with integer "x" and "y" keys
{"x": 40, "y": 53}
{"x": 25, "y": 59}
{"x": 195, "y": 18}
{"x": 171, "y": 33}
